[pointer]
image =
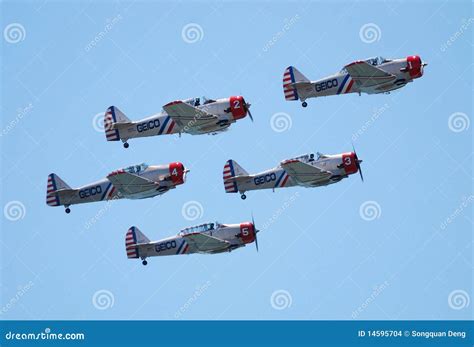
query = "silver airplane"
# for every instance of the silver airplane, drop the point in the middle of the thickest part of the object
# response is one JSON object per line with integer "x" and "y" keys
{"x": 133, "y": 182}
{"x": 306, "y": 170}
{"x": 208, "y": 238}
{"x": 193, "y": 116}
{"x": 371, "y": 76}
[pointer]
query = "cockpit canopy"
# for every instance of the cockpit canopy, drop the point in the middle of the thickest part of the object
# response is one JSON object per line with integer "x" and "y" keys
{"x": 197, "y": 101}
{"x": 375, "y": 61}
{"x": 134, "y": 169}
{"x": 199, "y": 228}
{"x": 307, "y": 157}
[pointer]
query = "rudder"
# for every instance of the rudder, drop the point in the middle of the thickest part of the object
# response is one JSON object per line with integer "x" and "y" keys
{"x": 133, "y": 237}
{"x": 232, "y": 169}
{"x": 112, "y": 116}
{"x": 54, "y": 184}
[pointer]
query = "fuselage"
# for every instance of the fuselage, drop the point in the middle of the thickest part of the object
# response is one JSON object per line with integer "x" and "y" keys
{"x": 104, "y": 189}
{"x": 339, "y": 165}
{"x": 237, "y": 235}
{"x": 162, "y": 124}
{"x": 405, "y": 70}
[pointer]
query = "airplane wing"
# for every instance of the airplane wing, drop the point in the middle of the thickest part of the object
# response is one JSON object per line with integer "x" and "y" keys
{"x": 303, "y": 172}
{"x": 366, "y": 75}
{"x": 127, "y": 183}
{"x": 205, "y": 243}
{"x": 189, "y": 117}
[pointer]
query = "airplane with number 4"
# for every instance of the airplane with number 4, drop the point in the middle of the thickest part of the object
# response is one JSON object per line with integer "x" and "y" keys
{"x": 370, "y": 76}
{"x": 305, "y": 170}
{"x": 183, "y": 116}
{"x": 133, "y": 182}
{"x": 208, "y": 238}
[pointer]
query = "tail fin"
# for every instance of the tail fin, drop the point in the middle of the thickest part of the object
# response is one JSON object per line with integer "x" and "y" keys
{"x": 232, "y": 169}
{"x": 133, "y": 237}
{"x": 290, "y": 77}
{"x": 55, "y": 183}
{"x": 112, "y": 116}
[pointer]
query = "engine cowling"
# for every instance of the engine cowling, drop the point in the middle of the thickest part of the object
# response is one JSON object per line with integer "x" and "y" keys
{"x": 414, "y": 66}
{"x": 247, "y": 232}
{"x": 238, "y": 107}
{"x": 349, "y": 162}
{"x": 177, "y": 173}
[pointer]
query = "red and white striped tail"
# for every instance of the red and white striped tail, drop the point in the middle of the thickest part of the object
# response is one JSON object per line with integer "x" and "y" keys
{"x": 109, "y": 119}
{"x": 288, "y": 88}
{"x": 130, "y": 242}
{"x": 52, "y": 198}
{"x": 229, "y": 185}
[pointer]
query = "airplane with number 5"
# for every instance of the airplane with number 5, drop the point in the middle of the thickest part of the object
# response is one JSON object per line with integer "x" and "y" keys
{"x": 133, "y": 182}
{"x": 305, "y": 170}
{"x": 370, "y": 76}
{"x": 183, "y": 116}
{"x": 208, "y": 238}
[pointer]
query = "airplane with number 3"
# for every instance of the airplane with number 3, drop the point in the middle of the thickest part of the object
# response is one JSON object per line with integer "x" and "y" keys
{"x": 370, "y": 76}
{"x": 133, "y": 182}
{"x": 208, "y": 238}
{"x": 183, "y": 116}
{"x": 305, "y": 170}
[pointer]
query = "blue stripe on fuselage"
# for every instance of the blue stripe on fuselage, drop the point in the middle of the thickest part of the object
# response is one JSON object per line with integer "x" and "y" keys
{"x": 344, "y": 81}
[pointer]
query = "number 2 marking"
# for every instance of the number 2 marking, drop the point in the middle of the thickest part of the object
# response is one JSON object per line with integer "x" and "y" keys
{"x": 236, "y": 104}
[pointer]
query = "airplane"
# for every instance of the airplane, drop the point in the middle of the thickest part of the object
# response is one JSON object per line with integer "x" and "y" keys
{"x": 304, "y": 170}
{"x": 182, "y": 116}
{"x": 134, "y": 182}
{"x": 371, "y": 76}
{"x": 208, "y": 238}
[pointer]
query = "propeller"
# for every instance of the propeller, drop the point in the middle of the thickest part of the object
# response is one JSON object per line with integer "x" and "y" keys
{"x": 247, "y": 109}
{"x": 358, "y": 163}
{"x": 255, "y": 232}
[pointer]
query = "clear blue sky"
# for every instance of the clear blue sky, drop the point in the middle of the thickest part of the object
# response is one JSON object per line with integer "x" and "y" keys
{"x": 333, "y": 263}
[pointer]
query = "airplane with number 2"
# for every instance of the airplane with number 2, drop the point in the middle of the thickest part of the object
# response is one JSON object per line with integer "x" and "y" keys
{"x": 370, "y": 76}
{"x": 183, "y": 116}
{"x": 208, "y": 238}
{"x": 305, "y": 170}
{"x": 133, "y": 182}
